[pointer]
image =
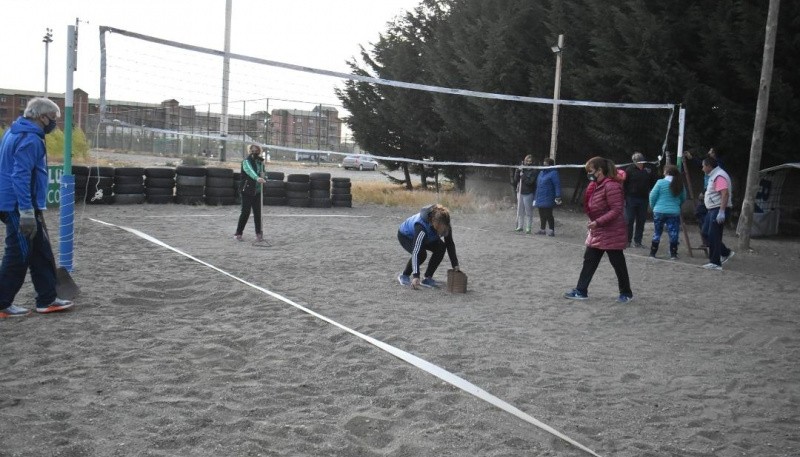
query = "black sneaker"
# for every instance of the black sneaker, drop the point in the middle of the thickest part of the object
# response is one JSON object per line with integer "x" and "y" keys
{"x": 576, "y": 294}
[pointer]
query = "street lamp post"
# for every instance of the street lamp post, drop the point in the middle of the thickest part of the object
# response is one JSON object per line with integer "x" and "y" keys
{"x": 48, "y": 38}
{"x": 557, "y": 50}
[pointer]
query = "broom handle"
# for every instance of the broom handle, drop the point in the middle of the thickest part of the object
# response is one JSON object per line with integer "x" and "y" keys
{"x": 261, "y": 203}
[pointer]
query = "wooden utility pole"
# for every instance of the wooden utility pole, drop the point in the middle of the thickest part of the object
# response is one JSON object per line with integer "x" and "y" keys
{"x": 762, "y": 108}
{"x": 557, "y": 49}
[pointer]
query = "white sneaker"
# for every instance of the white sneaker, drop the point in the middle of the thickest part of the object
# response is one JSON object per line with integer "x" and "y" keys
{"x": 57, "y": 305}
{"x": 728, "y": 257}
{"x": 712, "y": 266}
{"x": 14, "y": 311}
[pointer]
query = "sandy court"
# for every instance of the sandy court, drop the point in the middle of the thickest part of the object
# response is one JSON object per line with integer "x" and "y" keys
{"x": 165, "y": 356}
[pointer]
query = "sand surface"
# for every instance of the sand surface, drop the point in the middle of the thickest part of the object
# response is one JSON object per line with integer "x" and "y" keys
{"x": 165, "y": 356}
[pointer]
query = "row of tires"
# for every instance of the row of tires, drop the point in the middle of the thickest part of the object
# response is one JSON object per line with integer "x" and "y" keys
{"x": 199, "y": 185}
{"x": 315, "y": 190}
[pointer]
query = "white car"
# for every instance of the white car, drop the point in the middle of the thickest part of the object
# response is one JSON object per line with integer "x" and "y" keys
{"x": 360, "y": 162}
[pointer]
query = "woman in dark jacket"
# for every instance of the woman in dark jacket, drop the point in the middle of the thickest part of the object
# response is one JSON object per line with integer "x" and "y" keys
{"x": 548, "y": 195}
{"x": 252, "y": 179}
{"x": 608, "y": 232}
{"x": 524, "y": 183}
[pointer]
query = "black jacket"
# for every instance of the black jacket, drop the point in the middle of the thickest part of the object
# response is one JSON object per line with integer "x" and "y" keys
{"x": 639, "y": 182}
{"x": 528, "y": 178}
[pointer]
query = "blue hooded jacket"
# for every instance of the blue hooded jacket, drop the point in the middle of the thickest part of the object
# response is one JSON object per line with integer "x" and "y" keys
{"x": 23, "y": 167}
{"x": 548, "y": 188}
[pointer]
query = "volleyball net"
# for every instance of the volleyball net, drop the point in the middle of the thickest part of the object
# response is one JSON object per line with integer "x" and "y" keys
{"x": 164, "y": 96}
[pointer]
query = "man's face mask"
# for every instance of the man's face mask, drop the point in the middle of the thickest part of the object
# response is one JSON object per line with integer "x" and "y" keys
{"x": 50, "y": 125}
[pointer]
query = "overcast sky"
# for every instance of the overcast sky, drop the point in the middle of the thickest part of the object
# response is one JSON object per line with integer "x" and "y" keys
{"x": 315, "y": 33}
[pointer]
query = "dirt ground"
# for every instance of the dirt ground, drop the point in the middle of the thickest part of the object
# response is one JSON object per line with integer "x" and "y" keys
{"x": 208, "y": 355}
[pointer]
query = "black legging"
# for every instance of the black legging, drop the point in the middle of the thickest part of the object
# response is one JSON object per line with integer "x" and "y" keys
{"x": 546, "y": 217}
{"x": 438, "y": 249}
{"x": 250, "y": 202}
{"x": 591, "y": 260}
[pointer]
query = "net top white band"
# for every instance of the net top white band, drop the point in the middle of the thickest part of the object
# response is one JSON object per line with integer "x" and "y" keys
{"x": 386, "y": 82}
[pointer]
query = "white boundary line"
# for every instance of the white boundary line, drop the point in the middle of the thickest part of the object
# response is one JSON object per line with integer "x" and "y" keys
{"x": 227, "y": 215}
{"x": 422, "y": 364}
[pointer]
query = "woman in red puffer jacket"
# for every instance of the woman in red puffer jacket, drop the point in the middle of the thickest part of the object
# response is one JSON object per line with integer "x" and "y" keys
{"x": 608, "y": 231}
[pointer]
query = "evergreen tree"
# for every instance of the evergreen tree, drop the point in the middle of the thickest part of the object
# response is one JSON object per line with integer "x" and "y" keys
{"x": 704, "y": 55}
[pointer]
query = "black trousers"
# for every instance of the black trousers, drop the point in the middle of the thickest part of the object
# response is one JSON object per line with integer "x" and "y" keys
{"x": 546, "y": 217}
{"x": 591, "y": 260}
{"x": 438, "y": 248}
{"x": 636, "y": 215}
{"x": 250, "y": 202}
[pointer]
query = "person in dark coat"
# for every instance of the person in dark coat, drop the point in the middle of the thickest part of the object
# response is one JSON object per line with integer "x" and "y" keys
{"x": 252, "y": 179}
{"x": 607, "y": 231}
{"x": 524, "y": 183}
{"x": 639, "y": 179}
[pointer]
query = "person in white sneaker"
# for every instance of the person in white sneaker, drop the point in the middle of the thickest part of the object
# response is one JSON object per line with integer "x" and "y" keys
{"x": 524, "y": 182}
{"x": 718, "y": 199}
{"x": 23, "y": 197}
{"x": 424, "y": 232}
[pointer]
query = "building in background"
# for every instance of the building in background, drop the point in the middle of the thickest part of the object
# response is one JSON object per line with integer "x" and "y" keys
{"x": 170, "y": 127}
{"x": 319, "y": 128}
{"x": 13, "y": 102}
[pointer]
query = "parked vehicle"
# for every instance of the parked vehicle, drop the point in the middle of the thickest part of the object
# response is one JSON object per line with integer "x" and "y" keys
{"x": 360, "y": 162}
{"x": 311, "y": 156}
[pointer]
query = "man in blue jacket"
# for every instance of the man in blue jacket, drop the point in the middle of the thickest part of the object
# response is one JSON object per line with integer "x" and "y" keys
{"x": 23, "y": 197}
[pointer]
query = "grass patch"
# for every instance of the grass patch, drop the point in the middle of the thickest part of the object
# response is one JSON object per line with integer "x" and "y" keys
{"x": 388, "y": 194}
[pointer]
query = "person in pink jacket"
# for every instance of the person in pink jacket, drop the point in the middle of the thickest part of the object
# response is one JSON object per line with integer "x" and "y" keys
{"x": 608, "y": 232}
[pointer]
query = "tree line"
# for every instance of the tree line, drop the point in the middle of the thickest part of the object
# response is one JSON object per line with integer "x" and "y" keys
{"x": 702, "y": 56}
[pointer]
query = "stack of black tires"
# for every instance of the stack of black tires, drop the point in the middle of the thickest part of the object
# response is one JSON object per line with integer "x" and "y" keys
{"x": 159, "y": 185}
{"x": 129, "y": 185}
{"x": 100, "y": 184}
{"x": 340, "y": 193}
{"x": 193, "y": 185}
{"x": 219, "y": 187}
{"x": 298, "y": 190}
{"x": 190, "y": 185}
{"x": 237, "y": 186}
{"x": 81, "y": 173}
{"x": 274, "y": 189}
{"x": 320, "y": 193}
